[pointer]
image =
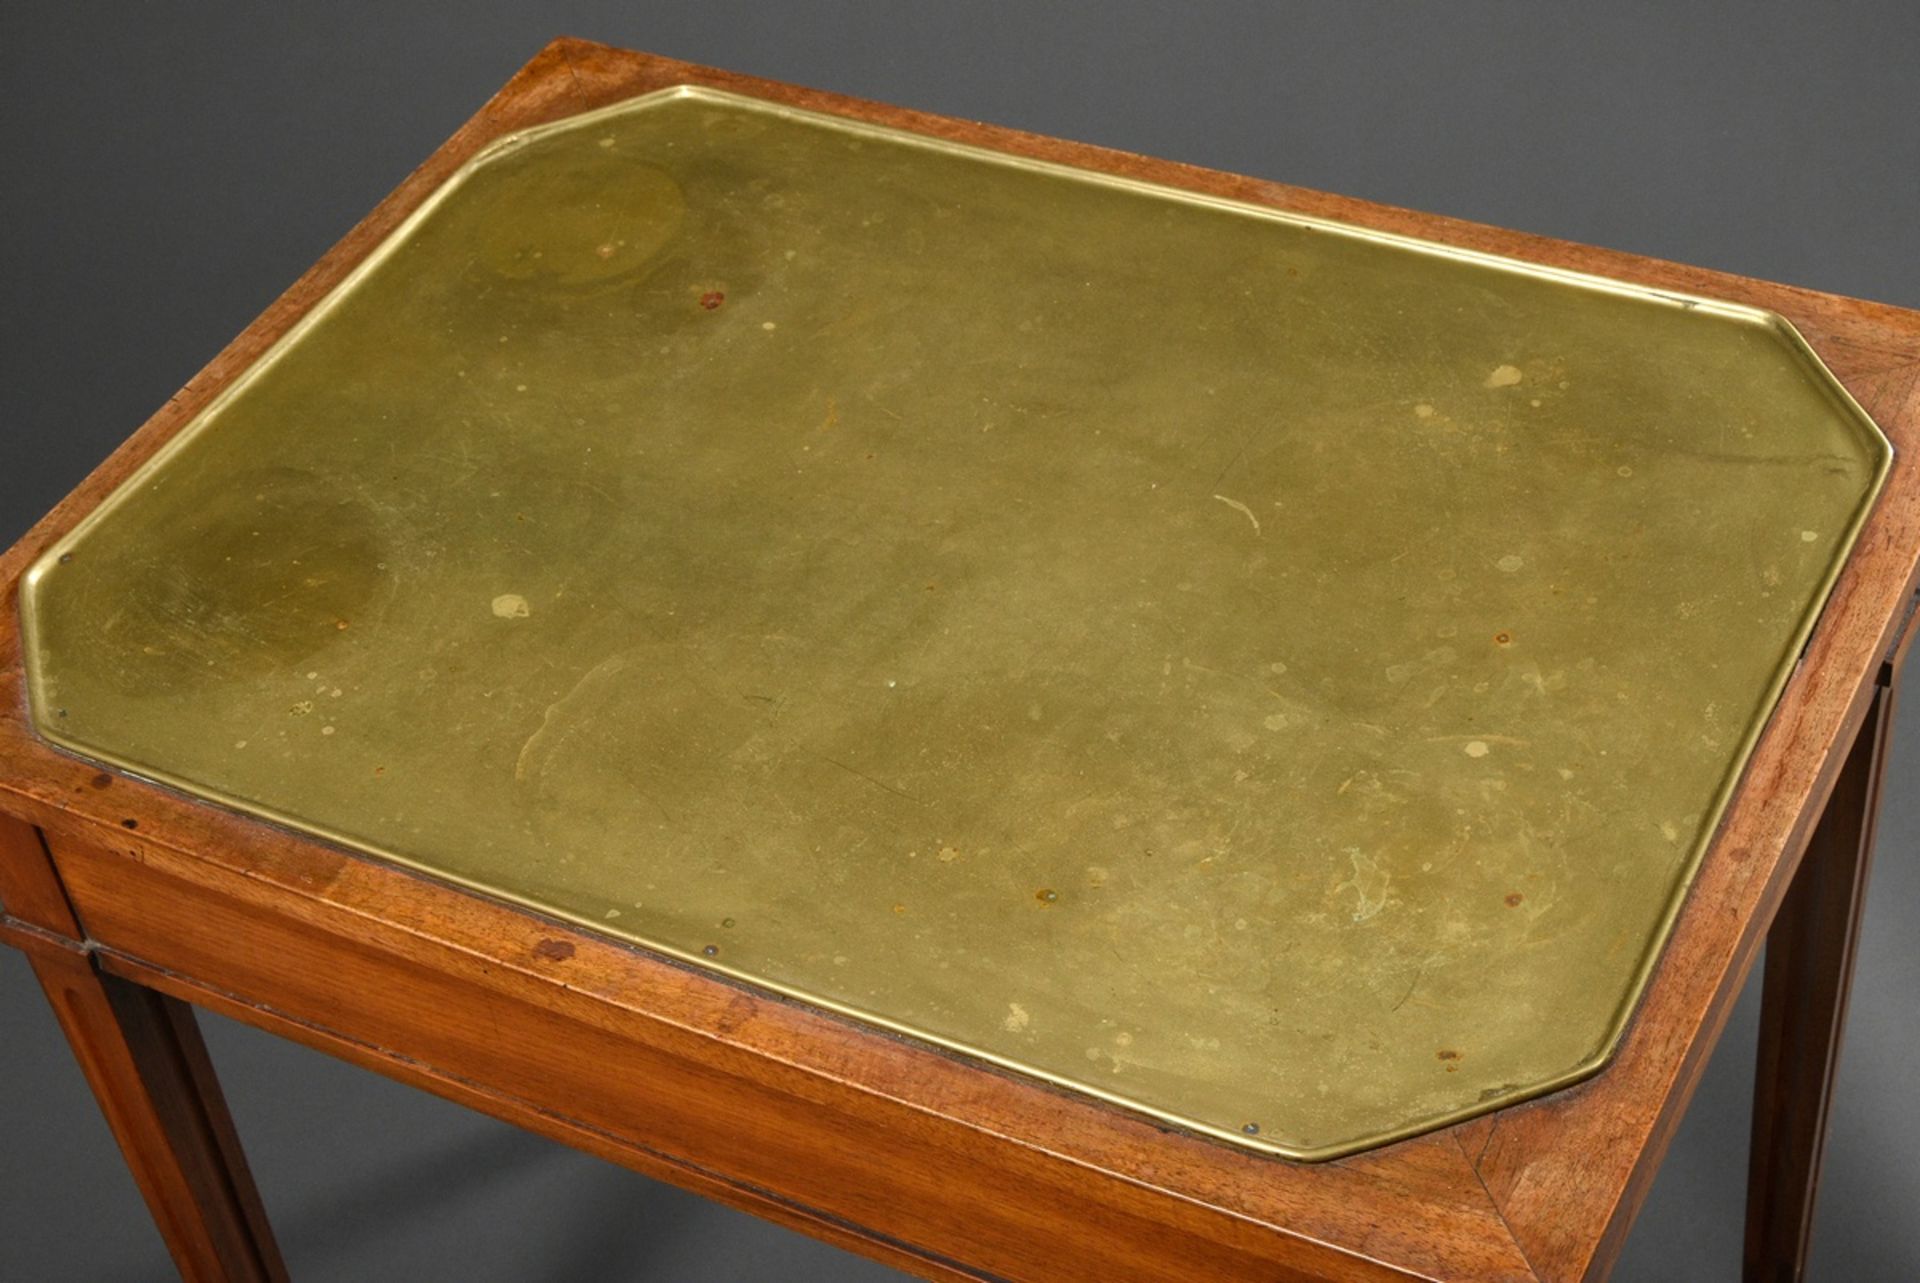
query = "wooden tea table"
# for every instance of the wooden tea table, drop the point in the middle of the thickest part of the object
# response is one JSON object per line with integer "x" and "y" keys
{"x": 1030, "y": 712}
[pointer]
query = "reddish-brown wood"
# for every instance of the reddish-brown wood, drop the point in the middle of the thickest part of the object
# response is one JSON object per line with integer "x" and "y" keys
{"x": 142, "y": 1054}
{"x": 647, "y": 1051}
{"x": 1809, "y": 972}
{"x": 554, "y": 1124}
{"x": 30, "y": 891}
{"x": 908, "y": 1154}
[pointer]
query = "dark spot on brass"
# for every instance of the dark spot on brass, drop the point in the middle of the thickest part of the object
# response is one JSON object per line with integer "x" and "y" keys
{"x": 726, "y": 922}
{"x": 553, "y": 950}
{"x": 102, "y": 780}
{"x": 1046, "y": 895}
{"x": 1251, "y": 1129}
{"x": 1446, "y": 1053}
{"x": 379, "y": 770}
{"x": 247, "y": 582}
{"x": 712, "y": 299}
{"x": 129, "y": 824}
{"x": 1503, "y": 638}
{"x": 712, "y": 951}
{"x": 59, "y": 712}
{"x": 1513, "y": 899}
{"x": 65, "y": 557}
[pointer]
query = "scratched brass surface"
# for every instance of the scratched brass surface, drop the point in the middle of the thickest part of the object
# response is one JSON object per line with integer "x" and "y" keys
{"x": 1275, "y": 677}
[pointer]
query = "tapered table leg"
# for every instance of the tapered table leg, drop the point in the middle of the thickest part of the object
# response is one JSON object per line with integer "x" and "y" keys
{"x": 142, "y": 1054}
{"x": 1809, "y": 969}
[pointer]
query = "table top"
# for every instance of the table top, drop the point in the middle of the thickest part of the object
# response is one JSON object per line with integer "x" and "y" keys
{"x": 1277, "y": 676}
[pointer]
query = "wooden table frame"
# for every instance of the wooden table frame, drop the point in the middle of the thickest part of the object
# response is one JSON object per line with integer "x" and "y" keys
{"x": 132, "y": 902}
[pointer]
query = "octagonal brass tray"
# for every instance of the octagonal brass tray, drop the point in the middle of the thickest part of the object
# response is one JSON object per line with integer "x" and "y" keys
{"x": 1271, "y": 675}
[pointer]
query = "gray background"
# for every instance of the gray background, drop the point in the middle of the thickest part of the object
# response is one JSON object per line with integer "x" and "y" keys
{"x": 168, "y": 170}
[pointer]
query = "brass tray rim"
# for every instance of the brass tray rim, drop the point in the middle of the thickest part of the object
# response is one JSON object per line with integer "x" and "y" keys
{"x": 1872, "y": 436}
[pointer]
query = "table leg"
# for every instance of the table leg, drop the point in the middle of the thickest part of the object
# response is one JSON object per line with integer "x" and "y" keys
{"x": 1809, "y": 969}
{"x": 142, "y": 1054}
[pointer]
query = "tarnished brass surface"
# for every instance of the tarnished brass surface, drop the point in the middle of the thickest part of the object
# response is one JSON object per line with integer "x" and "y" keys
{"x": 1274, "y": 676}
